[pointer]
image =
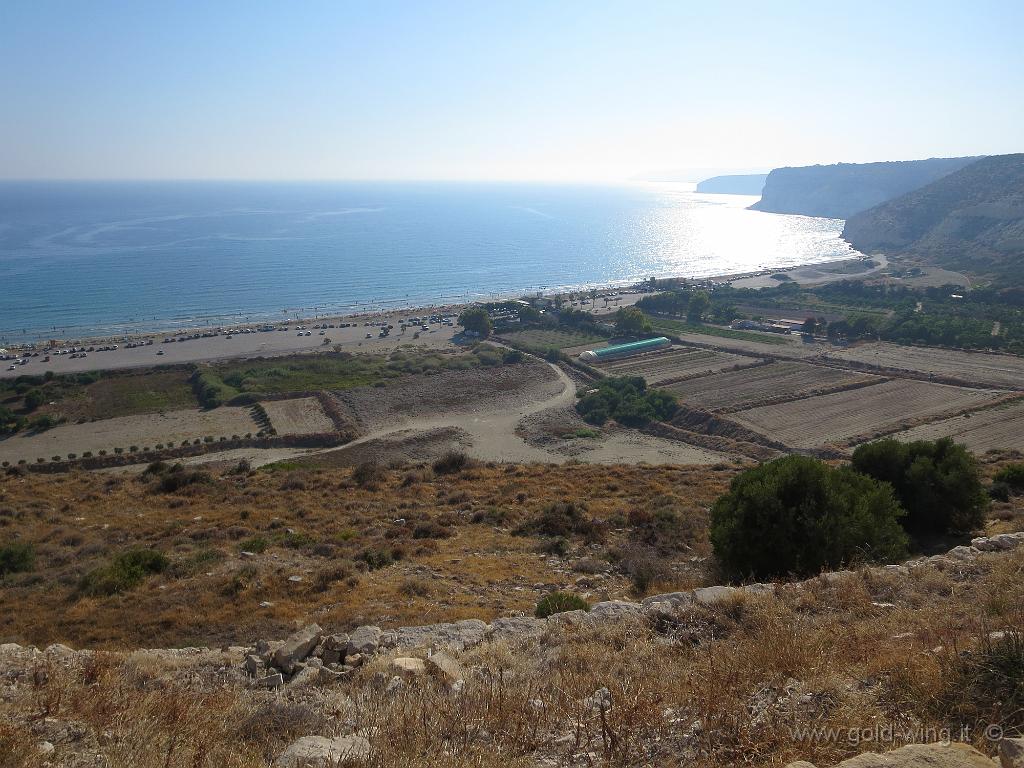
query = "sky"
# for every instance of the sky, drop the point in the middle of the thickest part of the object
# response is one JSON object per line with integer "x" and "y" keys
{"x": 516, "y": 90}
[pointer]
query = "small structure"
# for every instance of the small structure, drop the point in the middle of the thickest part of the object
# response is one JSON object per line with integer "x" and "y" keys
{"x": 625, "y": 350}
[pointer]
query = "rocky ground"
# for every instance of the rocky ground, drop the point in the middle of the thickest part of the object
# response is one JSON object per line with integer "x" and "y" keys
{"x": 820, "y": 670}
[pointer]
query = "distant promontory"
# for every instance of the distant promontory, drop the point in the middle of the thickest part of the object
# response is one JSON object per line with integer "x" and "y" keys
{"x": 971, "y": 220}
{"x": 745, "y": 184}
{"x": 842, "y": 190}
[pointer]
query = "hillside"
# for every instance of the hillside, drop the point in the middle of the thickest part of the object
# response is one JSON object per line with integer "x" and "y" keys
{"x": 746, "y": 184}
{"x": 839, "y": 191}
{"x": 971, "y": 220}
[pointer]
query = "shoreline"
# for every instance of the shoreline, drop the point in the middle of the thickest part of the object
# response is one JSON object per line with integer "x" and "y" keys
{"x": 375, "y": 311}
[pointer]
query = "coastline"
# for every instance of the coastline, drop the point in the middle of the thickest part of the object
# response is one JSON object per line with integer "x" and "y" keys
{"x": 212, "y": 343}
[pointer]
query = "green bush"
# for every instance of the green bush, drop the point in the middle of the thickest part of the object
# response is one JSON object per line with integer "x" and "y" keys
{"x": 560, "y": 602}
{"x": 33, "y": 399}
{"x": 627, "y": 400}
{"x": 937, "y": 483}
{"x": 798, "y": 516}
{"x": 123, "y": 573}
{"x": 452, "y": 463}
{"x": 16, "y": 558}
{"x": 1012, "y": 475}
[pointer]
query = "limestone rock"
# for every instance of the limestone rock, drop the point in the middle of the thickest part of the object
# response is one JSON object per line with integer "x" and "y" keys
{"x": 321, "y": 752}
{"x": 440, "y": 664}
{"x": 516, "y": 628}
{"x": 616, "y": 610}
{"x": 675, "y": 599}
{"x": 364, "y": 640}
{"x": 456, "y": 636}
{"x": 408, "y": 667}
{"x": 275, "y": 680}
{"x": 297, "y": 647}
{"x": 1011, "y": 753}
{"x": 922, "y": 756}
{"x": 714, "y": 595}
{"x": 801, "y": 764}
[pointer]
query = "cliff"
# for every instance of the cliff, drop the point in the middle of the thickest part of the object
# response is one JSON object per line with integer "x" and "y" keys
{"x": 746, "y": 184}
{"x": 970, "y": 220}
{"x": 839, "y": 191}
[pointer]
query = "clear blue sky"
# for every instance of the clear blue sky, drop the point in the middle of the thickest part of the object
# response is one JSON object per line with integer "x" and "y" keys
{"x": 513, "y": 90}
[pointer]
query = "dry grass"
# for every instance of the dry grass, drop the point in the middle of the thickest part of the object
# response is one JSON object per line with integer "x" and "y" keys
{"x": 729, "y": 685}
{"x": 452, "y": 533}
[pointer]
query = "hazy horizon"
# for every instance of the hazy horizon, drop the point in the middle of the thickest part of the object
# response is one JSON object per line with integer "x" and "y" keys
{"x": 572, "y": 92}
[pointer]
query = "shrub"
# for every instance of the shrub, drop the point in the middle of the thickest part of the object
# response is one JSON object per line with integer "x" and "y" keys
{"x": 452, "y": 463}
{"x": 627, "y": 400}
{"x": 937, "y": 483}
{"x": 124, "y": 572}
{"x": 999, "y": 491}
{"x": 368, "y": 474}
{"x": 1013, "y": 476}
{"x": 562, "y": 519}
{"x": 179, "y": 478}
{"x": 560, "y": 602}
{"x": 33, "y": 399}
{"x": 256, "y": 544}
{"x": 512, "y": 356}
{"x": 16, "y": 558}
{"x": 797, "y": 515}
{"x": 987, "y": 685}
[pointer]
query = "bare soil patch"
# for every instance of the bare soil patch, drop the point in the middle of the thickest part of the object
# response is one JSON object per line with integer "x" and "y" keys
{"x": 298, "y": 416}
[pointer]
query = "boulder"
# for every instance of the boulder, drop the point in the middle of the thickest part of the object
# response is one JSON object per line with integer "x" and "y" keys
{"x": 1011, "y": 753}
{"x": 714, "y": 595}
{"x": 457, "y": 636}
{"x": 516, "y": 628}
{"x": 408, "y": 667}
{"x": 441, "y": 665}
{"x": 275, "y": 680}
{"x": 364, "y": 640}
{"x": 675, "y": 599}
{"x": 616, "y": 610}
{"x": 922, "y": 756}
{"x": 297, "y": 647}
{"x": 801, "y": 764}
{"x": 321, "y": 752}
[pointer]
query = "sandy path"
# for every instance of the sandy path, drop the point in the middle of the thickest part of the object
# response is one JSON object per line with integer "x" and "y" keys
{"x": 493, "y": 432}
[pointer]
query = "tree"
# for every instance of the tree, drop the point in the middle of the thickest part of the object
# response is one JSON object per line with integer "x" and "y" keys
{"x": 476, "y": 319}
{"x": 809, "y": 326}
{"x": 797, "y": 515}
{"x": 699, "y": 303}
{"x": 631, "y": 321}
{"x": 938, "y": 483}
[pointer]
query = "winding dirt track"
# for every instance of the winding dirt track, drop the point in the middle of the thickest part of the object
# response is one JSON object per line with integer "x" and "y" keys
{"x": 492, "y": 431}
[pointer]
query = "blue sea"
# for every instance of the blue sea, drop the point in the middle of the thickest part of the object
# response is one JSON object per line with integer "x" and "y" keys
{"x": 96, "y": 258}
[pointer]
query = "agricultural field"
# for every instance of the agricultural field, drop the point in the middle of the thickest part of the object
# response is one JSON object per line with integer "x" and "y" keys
{"x": 298, "y": 416}
{"x": 860, "y": 413}
{"x": 980, "y": 367}
{"x": 141, "y": 431}
{"x": 996, "y": 428}
{"x": 776, "y": 382}
{"x": 673, "y": 364}
{"x": 543, "y": 339}
{"x": 762, "y": 344}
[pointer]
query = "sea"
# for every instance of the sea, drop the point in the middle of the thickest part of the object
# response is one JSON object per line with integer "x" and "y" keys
{"x": 81, "y": 259}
